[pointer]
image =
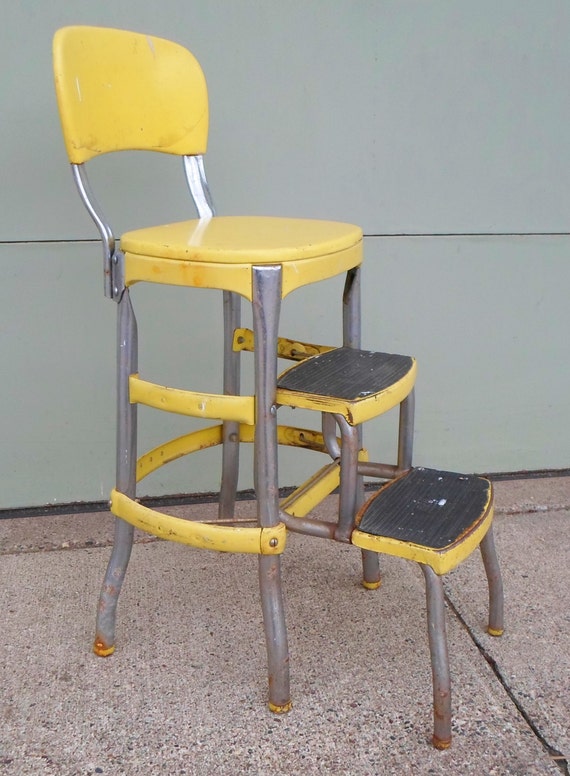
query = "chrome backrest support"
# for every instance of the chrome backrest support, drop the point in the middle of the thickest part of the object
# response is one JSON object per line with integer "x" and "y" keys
{"x": 198, "y": 185}
{"x": 107, "y": 236}
{"x": 112, "y": 258}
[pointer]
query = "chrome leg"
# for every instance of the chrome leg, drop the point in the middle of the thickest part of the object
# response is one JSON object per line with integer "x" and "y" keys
{"x": 439, "y": 659}
{"x": 490, "y": 561}
{"x": 371, "y": 576}
{"x": 230, "y": 450}
{"x": 406, "y": 432}
{"x": 352, "y": 336}
{"x": 329, "y": 435}
{"x": 349, "y": 479}
{"x": 351, "y": 315}
{"x": 126, "y": 477}
{"x": 266, "y": 308}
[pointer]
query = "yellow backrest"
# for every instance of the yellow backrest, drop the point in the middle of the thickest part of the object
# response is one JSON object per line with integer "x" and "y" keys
{"x": 120, "y": 90}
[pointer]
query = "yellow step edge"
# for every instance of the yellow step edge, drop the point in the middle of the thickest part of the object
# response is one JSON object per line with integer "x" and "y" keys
{"x": 440, "y": 560}
{"x": 357, "y": 411}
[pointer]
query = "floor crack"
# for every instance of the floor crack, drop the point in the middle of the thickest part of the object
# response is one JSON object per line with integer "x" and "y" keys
{"x": 555, "y": 755}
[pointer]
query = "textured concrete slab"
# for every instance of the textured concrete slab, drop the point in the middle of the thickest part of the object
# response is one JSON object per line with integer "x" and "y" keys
{"x": 533, "y": 656}
{"x": 532, "y": 495}
{"x": 185, "y": 692}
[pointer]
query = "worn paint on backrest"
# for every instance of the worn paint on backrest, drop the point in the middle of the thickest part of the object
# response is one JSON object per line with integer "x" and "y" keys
{"x": 120, "y": 90}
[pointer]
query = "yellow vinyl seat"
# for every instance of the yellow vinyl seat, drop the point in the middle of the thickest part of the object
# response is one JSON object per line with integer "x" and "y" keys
{"x": 219, "y": 252}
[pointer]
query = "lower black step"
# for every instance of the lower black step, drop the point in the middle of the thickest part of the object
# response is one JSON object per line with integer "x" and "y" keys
{"x": 426, "y": 507}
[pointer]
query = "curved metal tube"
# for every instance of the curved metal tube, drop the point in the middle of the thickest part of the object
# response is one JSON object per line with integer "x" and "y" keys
{"x": 105, "y": 231}
{"x": 198, "y": 185}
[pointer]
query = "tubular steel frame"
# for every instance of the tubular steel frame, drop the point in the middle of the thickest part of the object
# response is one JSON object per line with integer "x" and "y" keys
{"x": 348, "y": 467}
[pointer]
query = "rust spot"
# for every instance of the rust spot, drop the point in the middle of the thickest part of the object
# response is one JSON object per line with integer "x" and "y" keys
{"x": 101, "y": 649}
{"x": 441, "y": 743}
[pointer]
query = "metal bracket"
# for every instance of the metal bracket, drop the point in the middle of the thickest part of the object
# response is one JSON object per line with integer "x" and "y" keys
{"x": 114, "y": 289}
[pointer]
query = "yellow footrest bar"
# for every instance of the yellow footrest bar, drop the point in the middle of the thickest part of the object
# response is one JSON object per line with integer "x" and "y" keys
{"x": 197, "y": 405}
{"x": 286, "y": 348}
{"x": 176, "y": 448}
{"x": 290, "y": 436}
{"x": 255, "y": 540}
{"x": 306, "y": 497}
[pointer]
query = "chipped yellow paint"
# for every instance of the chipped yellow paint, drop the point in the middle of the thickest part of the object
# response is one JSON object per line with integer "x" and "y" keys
{"x": 286, "y": 348}
{"x": 442, "y": 560}
{"x": 227, "y": 274}
{"x": 222, "y": 538}
{"x": 355, "y": 411}
{"x": 315, "y": 489}
{"x": 120, "y": 90}
{"x": 306, "y": 497}
{"x": 280, "y": 709}
{"x": 173, "y": 272}
{"x": 371, "y": 585}
{"x": 176, "y": 448}
{"x": 290, "y": 436}
{"x": 197, "y": 405}
{"x": 102, "y": 651}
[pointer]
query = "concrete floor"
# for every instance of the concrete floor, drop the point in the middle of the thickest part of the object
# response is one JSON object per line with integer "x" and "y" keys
{"x": 185, "y": 691}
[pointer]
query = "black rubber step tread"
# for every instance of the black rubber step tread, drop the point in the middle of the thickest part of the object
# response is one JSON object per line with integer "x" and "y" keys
{"x": 427, "y": 507}
{"x": 346, "y": 373}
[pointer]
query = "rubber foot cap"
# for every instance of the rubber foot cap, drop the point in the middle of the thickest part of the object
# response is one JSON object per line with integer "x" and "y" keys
{"x": 101, "y": 650}
{"x": 283, "y": 709}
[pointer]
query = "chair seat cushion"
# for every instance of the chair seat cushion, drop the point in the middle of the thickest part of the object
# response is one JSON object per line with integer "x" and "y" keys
{"x": 358, "y": 384}
{"x": 434, "y": 517}
{"x": 242, "y": 239}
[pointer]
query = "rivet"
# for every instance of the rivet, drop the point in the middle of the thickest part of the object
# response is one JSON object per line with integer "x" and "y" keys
{"x": 273, "y": 542}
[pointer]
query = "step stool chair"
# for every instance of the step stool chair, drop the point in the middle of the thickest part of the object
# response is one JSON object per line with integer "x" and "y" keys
{"x": 120, "y": 90}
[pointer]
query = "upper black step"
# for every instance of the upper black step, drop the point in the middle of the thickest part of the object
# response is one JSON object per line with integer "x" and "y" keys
{"x": 346, "y": 373}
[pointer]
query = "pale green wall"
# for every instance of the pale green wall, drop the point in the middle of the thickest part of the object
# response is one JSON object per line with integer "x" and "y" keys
{"x": 414, "y": 119}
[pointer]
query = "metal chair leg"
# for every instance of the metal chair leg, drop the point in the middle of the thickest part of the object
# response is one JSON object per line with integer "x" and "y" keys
{"x": 104, "y": 644}
{"x": 230, "y": 449}
{"x": 275, "y": 633}
{"x": 351, "y": 317}
{"x": 127, "y": 360}
{"x": 439, "y": 659}
{"x": 266, "y": 308}
{"x": 349, "y": 479}
{"x": 496, "y": 624}
{"x": 406, "y": 432}
{"x": 371, "y": 576}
